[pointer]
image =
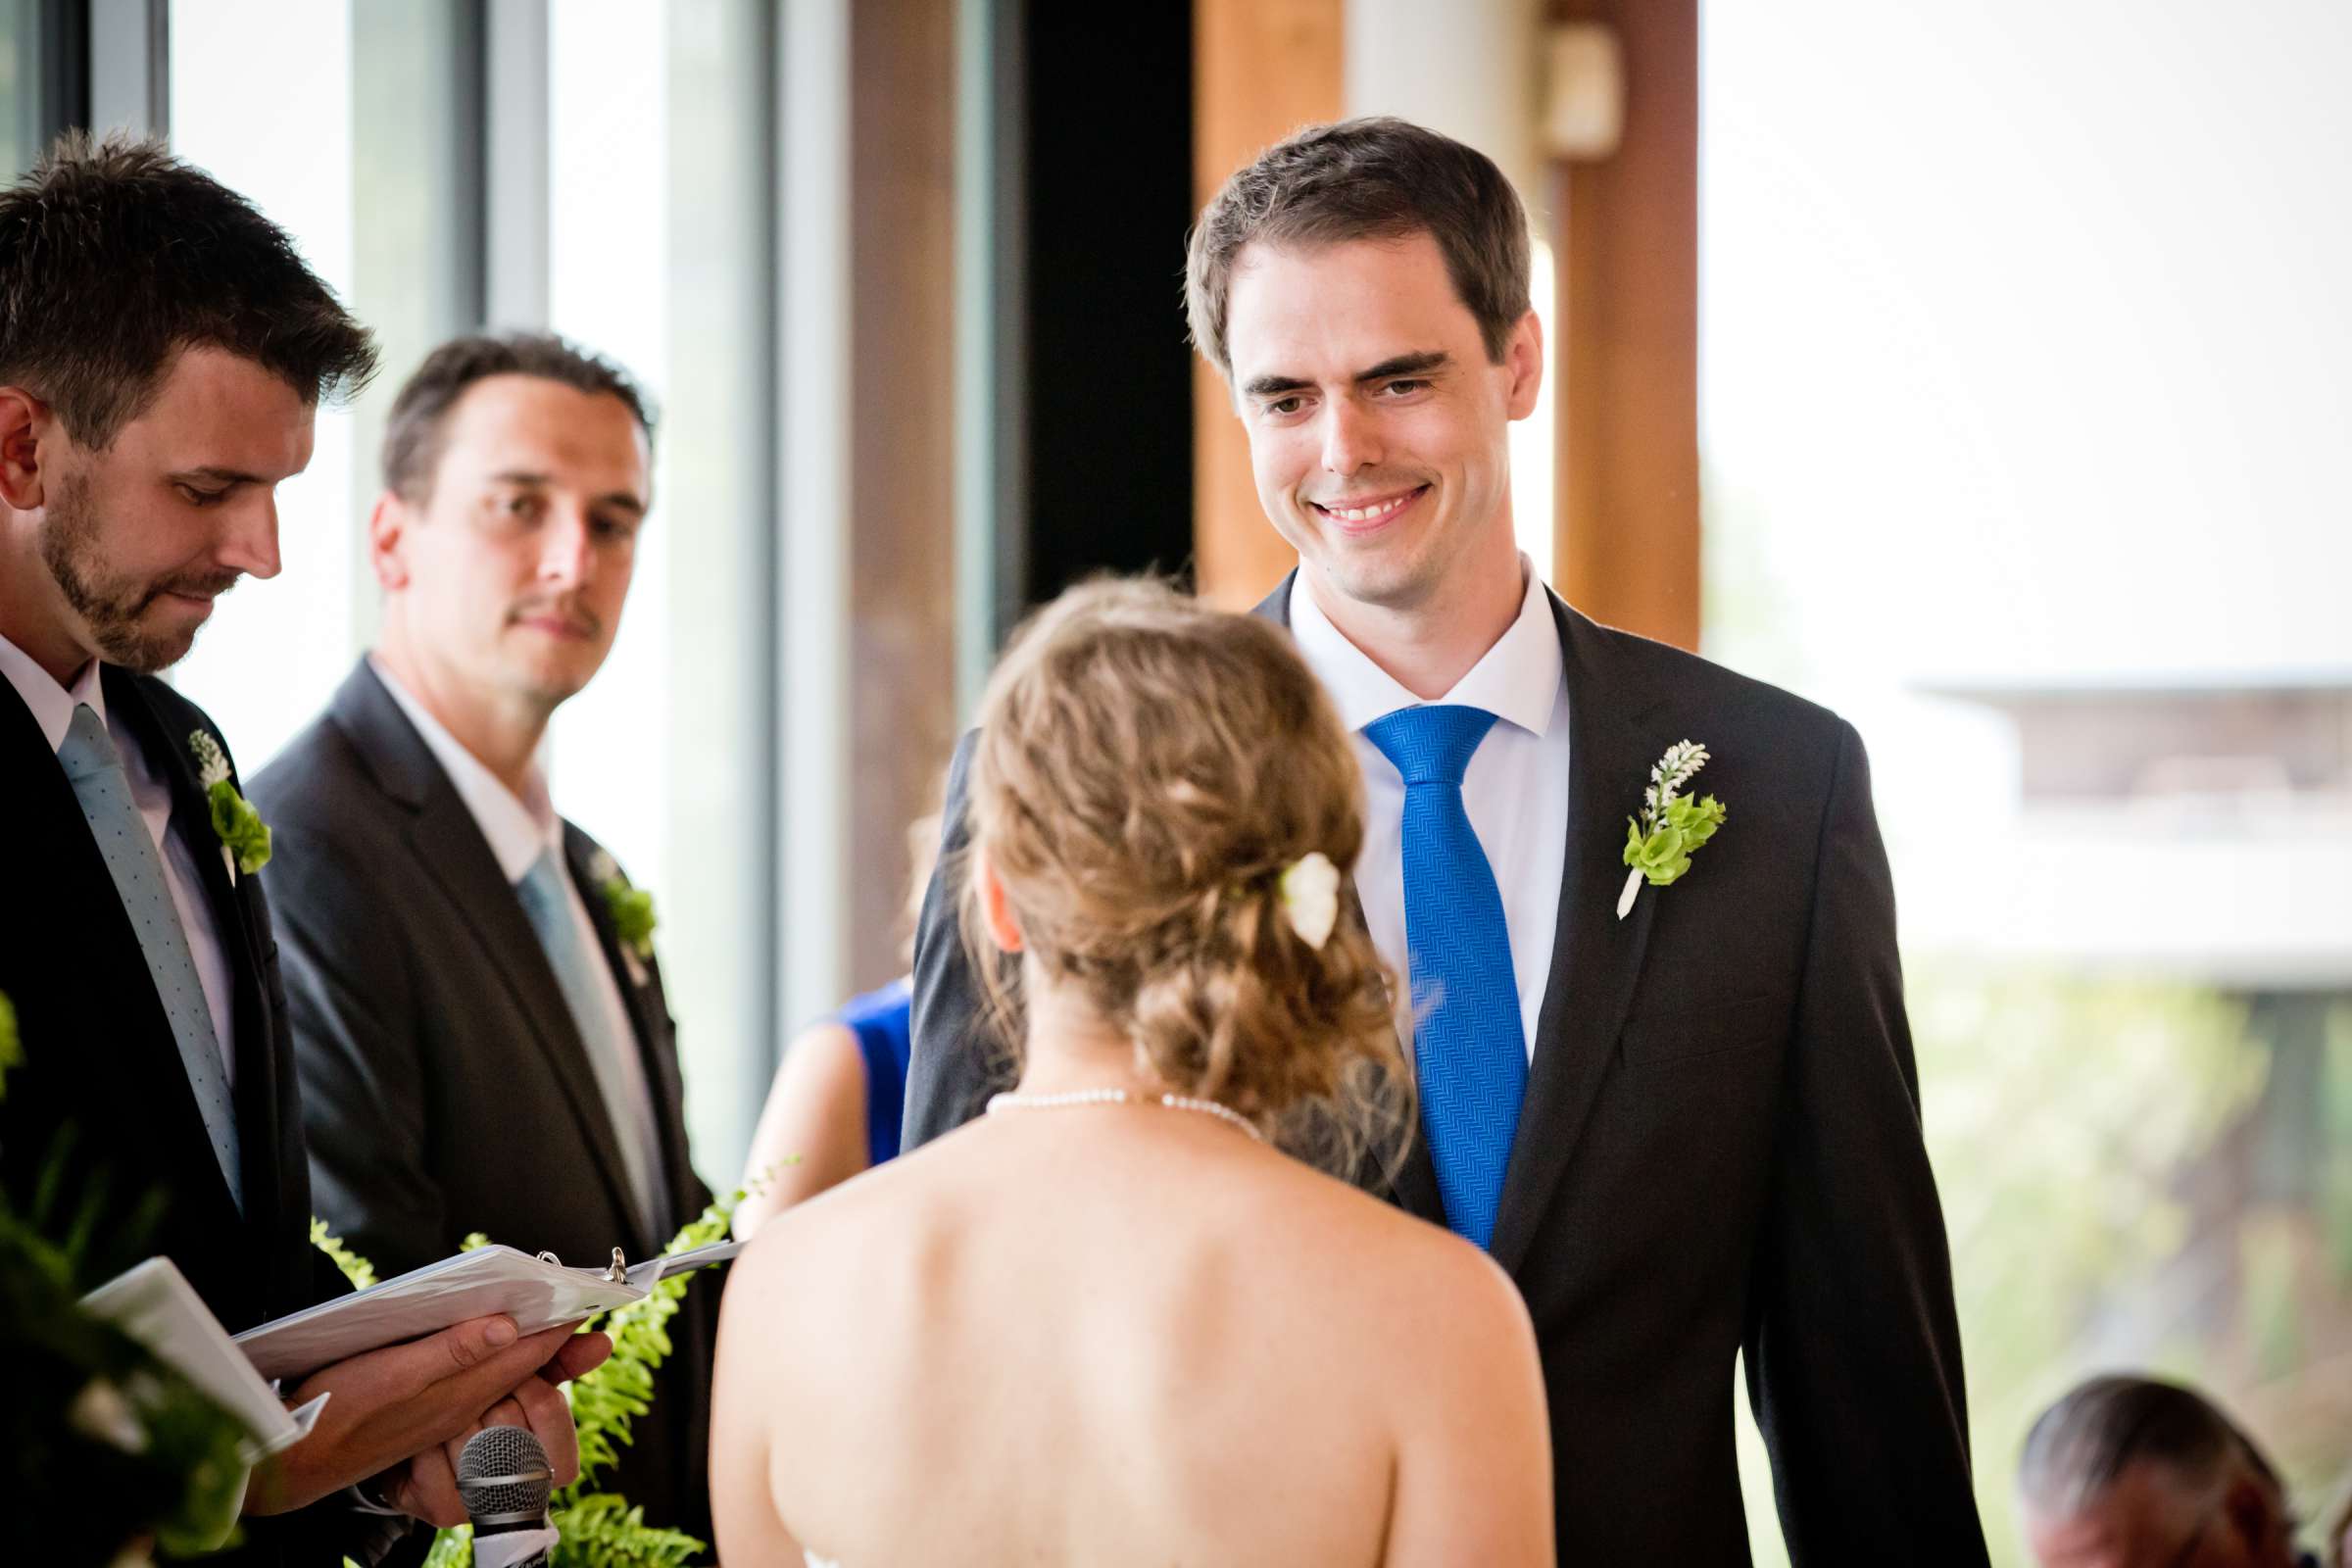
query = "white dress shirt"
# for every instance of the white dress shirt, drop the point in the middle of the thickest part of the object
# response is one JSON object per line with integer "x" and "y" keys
{"x": 519, "y": 833}
{"x": 1515, "y": 789}
{"x": 52, "y": 707}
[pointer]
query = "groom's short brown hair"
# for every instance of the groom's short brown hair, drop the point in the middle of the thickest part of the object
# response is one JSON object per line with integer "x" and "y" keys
{"x": 1372, "y": 179}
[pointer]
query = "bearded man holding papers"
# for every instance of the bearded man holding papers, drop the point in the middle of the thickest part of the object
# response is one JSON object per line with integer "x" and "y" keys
{"x": 163, "y": 353}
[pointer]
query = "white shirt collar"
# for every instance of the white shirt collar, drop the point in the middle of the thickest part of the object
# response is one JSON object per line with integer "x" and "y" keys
{"x": 52, "y": 705}
{"x": 517, "y": 830}
{"x": 1518, "y": 679}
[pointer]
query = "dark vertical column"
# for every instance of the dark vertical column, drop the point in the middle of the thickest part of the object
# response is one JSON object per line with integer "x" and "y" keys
{"x": 1107, "y": 422}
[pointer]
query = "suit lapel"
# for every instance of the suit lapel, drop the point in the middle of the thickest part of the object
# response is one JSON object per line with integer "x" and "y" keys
{"x": 649, "y": 1022}
{"x": 449, "y": 844}
{"x": 1596, "y": 957}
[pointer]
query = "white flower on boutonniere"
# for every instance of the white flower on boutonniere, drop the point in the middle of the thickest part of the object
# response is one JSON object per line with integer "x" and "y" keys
{"x": 1310, "y": 898}
{"x": 1659, "y": 846}
{"x": 633, "y": 911}
{"x": 244, "y": 836}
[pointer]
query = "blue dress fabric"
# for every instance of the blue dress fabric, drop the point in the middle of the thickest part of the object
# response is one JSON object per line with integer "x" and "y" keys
{"x": 882, "y": 1022}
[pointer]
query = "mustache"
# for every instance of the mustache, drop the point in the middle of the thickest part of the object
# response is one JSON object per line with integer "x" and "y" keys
{"x": 194, "y": 584}
{"x": 576, "y": 617}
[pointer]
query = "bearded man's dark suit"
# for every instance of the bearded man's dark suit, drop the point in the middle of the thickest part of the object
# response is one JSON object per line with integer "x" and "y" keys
{"x": 1719, "y": 1147}
{"x": 103, "y": 1081}
{"x": 446, "y": 1087}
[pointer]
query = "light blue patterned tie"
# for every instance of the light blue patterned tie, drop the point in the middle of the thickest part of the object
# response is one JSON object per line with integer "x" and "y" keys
{"x": 576, "y": 965}
{"x": 1469, "y": 1047}
{"x": 103, "y": 788}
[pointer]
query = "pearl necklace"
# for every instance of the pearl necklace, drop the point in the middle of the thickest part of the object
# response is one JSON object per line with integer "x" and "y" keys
{"x": 1119, "y": 1097}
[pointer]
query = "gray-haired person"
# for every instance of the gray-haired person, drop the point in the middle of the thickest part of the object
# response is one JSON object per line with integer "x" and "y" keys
{"x": 2129, "y": 1472}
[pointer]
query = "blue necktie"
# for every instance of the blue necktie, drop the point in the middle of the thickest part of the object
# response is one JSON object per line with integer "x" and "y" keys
{"x": 1469, "y": 1048}
{"x": 103, "y": 788}
{"x": 625, "y": 1093}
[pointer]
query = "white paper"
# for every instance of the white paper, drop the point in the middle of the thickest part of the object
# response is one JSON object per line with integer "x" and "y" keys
{"x": 155, "y": 1305}
{"x": 536, "y": 1294}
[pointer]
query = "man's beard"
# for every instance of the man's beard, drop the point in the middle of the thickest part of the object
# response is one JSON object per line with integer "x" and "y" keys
{"x": 110, "y": 606}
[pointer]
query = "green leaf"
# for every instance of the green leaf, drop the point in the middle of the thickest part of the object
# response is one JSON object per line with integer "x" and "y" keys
{"x": 632, "y": 911}
{"x": 356, "y": 1268}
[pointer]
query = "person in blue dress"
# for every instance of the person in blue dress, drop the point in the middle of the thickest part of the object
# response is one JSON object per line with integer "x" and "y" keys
{"x": 833, "y": 1109}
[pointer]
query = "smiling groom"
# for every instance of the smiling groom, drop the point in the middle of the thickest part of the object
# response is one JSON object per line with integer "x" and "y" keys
{"x": 1687, "y": 1132}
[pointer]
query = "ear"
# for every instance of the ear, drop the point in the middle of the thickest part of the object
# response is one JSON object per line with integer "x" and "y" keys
{"x": 1522, "y": 356}
{"x": 2247, "y": 1505}
{"x": 1003, "y": 929}
{"x": 387, "y": 535}
{"x": 26, "y": 422}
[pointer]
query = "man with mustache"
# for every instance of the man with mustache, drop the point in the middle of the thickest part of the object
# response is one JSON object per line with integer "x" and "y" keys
{"x": 478, "y": 1017}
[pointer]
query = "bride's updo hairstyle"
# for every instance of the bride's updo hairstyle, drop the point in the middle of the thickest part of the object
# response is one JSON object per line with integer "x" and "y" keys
{"x": 1146, "y": 769}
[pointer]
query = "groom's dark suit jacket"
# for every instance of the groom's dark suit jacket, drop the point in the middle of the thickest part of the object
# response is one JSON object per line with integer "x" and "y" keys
{"x": 103, "y": 1080}
{"x": 445, "y": 1085}
{"x": 1719, "y": 1149}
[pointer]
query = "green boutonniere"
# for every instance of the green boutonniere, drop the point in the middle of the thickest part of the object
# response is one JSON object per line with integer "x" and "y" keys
{"x": 1658, "y": 847}
{"x": 244, "y": 836}
{"x": 632, "y": 908}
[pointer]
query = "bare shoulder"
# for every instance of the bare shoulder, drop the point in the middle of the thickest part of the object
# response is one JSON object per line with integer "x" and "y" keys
{"x": 1430, "y": 1276}
{"x": 824, "y": 1057}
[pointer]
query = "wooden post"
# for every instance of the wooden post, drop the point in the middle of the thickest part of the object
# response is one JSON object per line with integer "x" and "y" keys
{"x": 1261, "y": 68}
{"x": 1625, "y": 239}
{"x": 902, "y": 666}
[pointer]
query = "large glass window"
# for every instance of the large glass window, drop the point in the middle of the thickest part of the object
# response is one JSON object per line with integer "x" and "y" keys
{"x": 20, "y": 80}
{"x": 656, "y": 186}
{"x": 2023, "y": 400}
{"x": 275, "y": 651}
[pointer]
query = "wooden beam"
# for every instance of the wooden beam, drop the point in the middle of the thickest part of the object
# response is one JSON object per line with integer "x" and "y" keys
{"x": 1625, "y": 365}
{"x": 1261, "y": 68}
{"x": 903, "y": 469}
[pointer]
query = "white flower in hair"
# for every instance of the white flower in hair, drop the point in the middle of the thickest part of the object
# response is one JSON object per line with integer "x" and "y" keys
{"x": 1310, "y": 898}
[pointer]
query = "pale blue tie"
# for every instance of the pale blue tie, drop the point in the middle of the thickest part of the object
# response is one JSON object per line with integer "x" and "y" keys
{"x": 1469, "y": 1046}
{"x": 576, "y": 964}
{"x": 103, "y": 788}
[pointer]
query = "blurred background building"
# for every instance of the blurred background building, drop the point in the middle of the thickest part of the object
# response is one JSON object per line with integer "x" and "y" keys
{"x": 1981, "y": 372}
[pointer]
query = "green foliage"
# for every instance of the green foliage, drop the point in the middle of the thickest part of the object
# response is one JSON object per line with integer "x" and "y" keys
{"x": 1663, "y": 854}
{"x": 95, "y": 1426}
{"x": 601, "y": 1529}
{"x": 608, "y": 1400}
{"x": 632, "y": 911}
{"x": 12, "y": 1050}
{"x": 356, "y": 1268}
{"x": 1660, "y": 844}
{"x": 239, "y": 826}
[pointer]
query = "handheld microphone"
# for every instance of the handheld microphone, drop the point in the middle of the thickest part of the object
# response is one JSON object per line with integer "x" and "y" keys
{"x": 503, "y": 1480}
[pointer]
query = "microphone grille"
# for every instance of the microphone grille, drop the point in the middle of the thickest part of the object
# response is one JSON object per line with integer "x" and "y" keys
{"x": 502, "y": 1472}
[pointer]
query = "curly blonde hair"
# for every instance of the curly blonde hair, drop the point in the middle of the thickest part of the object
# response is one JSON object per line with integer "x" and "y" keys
{"x": 1146, "y": 770}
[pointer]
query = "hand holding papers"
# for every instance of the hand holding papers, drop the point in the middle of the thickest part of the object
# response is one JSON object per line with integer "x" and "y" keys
{"x": 382, "y": 1413}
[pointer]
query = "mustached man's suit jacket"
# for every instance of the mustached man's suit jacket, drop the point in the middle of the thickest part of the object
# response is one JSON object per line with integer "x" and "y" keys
{"x": 445, "y": 1085}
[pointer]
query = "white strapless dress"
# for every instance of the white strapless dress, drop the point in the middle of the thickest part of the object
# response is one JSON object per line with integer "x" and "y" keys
{"x": 814, "y": 1561}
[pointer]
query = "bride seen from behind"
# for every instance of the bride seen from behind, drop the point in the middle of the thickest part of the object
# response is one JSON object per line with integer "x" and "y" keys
{"x": 1094, "y": 1326}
